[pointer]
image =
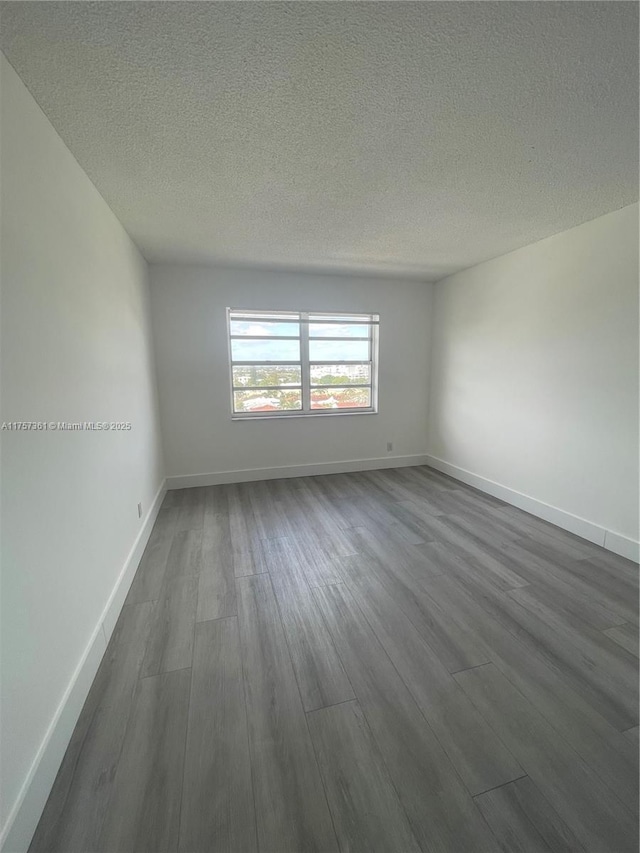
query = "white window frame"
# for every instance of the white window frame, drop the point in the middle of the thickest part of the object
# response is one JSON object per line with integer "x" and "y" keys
{"x": 302, "y": 317}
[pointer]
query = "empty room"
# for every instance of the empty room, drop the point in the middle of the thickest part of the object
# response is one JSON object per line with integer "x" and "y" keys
{"x": 319, "y": 427}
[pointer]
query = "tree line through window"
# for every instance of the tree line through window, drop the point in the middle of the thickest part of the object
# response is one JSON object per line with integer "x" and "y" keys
{"x": 302, "y": 362}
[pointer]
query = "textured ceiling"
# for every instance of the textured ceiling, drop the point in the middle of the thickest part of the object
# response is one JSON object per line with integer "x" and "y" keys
{"x": 402, "y": 137}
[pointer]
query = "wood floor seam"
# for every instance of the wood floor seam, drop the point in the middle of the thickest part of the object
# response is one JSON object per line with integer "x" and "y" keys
{"x": 467, "y": 668}
{"x": 156, "y": 674}
{"x": 335, "y": 705}
{"x": 186, "y": 735}
{"x": 218, "y": 618}
{"x": 497, "y": 787}
{"x": 252, "y": 784}
{"x": 322, "y": 780}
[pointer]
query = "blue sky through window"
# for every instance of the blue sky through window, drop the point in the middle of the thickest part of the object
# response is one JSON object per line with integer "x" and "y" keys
{"x": 255, "y": 329}
{"x": 264, "y": 341}
{"x": 283, "y": 350}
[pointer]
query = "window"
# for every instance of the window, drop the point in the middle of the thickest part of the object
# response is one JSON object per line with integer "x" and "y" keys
{"x": 287, "y": 363}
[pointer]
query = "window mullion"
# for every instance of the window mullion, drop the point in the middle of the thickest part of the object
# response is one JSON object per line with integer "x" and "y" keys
{"x": 304, "y": 358}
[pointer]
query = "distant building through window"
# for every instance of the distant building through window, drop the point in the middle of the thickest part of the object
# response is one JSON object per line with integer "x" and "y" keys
{"x": 302, "y": 363}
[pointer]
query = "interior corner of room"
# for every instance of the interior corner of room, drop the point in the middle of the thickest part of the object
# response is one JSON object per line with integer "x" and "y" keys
{"x": 513, "y": 370}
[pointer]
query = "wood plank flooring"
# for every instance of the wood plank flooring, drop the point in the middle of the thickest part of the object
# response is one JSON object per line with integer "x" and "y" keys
{"x": 378, "y": 662}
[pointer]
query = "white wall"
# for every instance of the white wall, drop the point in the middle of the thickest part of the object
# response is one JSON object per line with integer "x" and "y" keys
{"x": 75, "y": 347}
{"x": 535, "y": 371}
{"x": 188, "y": 306}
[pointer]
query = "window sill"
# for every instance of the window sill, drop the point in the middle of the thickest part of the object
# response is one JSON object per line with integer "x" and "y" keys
{"x": 301, "y": 416}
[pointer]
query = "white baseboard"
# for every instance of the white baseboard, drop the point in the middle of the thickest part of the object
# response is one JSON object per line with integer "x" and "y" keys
{"x": 609, "y": 539}
{"x": 24, "y": 816}
{"x": 119, "y": 593}
{"x": 622, "y": 545}
{"x": 248, "y": 475}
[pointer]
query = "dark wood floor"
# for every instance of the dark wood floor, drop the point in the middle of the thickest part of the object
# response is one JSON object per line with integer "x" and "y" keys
{"x": 387, "y": 661}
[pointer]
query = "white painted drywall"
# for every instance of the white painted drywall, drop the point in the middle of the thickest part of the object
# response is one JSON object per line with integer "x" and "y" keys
{"x": 75, "y": 347}
{"x": 534, "y": 380}
{"x": 188, "y": 305}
